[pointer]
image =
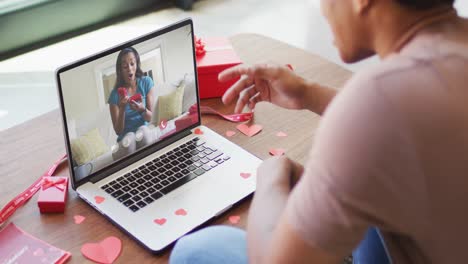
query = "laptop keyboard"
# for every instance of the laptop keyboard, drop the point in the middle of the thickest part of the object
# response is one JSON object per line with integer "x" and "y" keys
{"x": 164, "y": 174}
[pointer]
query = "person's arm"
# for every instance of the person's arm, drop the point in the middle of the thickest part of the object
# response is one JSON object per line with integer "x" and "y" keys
{"x": 270, "y": 237}
{"x": 118, "y": 118}
{"x": 148, "y": 113}
{"x": 317, "y": 97}
{"x": 275, "y": 177}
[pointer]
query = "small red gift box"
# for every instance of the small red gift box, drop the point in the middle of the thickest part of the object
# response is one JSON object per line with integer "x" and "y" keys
{"x": 218, "y": 55}
{"x": 53, "y": 194}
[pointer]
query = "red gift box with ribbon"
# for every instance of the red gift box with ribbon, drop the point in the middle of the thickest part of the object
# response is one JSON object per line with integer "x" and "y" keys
{"x": 213, "y": 56}
{"x": 53, "y": 194}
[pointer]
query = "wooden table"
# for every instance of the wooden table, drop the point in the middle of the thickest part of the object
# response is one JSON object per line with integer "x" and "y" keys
{"x": 27, "y": 150}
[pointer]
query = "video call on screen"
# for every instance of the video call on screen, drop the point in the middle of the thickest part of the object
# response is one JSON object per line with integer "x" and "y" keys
{"x": 120, "y": 103}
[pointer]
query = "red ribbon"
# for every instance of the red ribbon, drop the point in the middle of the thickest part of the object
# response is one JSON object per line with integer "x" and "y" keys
{"x": 59, "y": 184}
{"x": 199, "y": 47}
{"x": 8, "y": 210}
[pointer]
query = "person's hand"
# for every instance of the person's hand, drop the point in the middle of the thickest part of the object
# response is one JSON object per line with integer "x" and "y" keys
{"x": 275, "y": 84}
{"x": 280, "y": 171}
{"x": 136, "y": 106}
{"x": 123, "y": 101}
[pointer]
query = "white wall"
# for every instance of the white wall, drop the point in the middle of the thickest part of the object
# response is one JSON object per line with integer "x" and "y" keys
{"x": 177, "y": 53}
{"x": 79, "y": 89}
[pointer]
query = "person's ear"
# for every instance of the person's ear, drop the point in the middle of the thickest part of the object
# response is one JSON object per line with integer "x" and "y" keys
{"x": 362, "y": 6}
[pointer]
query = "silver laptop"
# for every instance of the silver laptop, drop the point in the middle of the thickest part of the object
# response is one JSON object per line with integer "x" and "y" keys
{"x": 137, "y": 151}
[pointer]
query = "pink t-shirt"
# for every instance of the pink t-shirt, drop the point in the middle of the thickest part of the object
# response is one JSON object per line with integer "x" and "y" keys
{"x": 392, "y": 152}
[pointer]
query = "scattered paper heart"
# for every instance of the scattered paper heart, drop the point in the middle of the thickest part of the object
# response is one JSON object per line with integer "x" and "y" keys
{"x": 106, "y": 251}
{"x": 99, "y": 199}
{"x": 277, "y": 151}
{"x": 79, "y": 219}
{"x": 230, "y": 133}
{"x": 234, "y": 219}
{"x": 181, "y": 212}
{"x": 198, "y": 131}
{"x": 281, "y": 134}
{"x": 245, "y": 175}
{"x": 160, "y": 221}
{"x": 249, "y": 131}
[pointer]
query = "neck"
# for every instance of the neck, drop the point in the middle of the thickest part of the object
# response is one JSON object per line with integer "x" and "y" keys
{"x": 390, "y": 37}
{"x": 131, "y": 84}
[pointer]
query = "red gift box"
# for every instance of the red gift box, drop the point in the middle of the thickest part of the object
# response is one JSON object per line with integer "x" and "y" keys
{"x": 218, "y": 56}
{"x": 53, "y": 195}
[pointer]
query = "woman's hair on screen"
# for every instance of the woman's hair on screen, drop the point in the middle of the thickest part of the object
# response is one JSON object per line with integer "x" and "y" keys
{"x": 425, "y": 4}
{"x": 118, "y": 66}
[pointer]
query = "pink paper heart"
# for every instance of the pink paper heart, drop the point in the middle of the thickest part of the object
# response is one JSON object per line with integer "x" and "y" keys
{"x": 105, "y": 251}
{"x": 245, "y": 175}
{"x": 99, "y": 199}
{"x": 160, "y": 221}
{"x": 277, "y": 151}
{"x": 79, "y": 219}
{"x": 198, "y": 131}
{"x": 281, "y": 134}
{"x": 249, "y": 131}
{"x": 230, "y": 133}
{"x": 234, "y": 219}
{"x": 181, "y": 212}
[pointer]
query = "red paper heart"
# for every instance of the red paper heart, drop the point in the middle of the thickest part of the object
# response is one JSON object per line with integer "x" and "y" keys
{"x": 99, "y": 199}
{"x": 181, "y": 212}
{"x": 230, "y": 133}
{"x": 281, "y": 134}
{"x": 249, "y": 131}
{"x": 79, "y": 219}
{"x": 160, "y": 221}
{"x": 163, "y": 124}
{"x": 277, "y": 151}
{"x": 234, "y": 219}
{"x": 105, "y": 251}
{"x": 245, "y": 175}
{"x": 198, "y": 131}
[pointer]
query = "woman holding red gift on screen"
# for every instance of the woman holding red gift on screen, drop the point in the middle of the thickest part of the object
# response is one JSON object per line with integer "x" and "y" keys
{"x": 131, "y": 100}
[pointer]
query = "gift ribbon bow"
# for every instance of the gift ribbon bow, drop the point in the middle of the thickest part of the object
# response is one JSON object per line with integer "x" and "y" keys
{"x": 59, "y": 184}
{"x": 199, "y": 47}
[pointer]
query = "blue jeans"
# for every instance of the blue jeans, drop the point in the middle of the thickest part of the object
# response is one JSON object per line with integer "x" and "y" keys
{"x": 226, "y": 245}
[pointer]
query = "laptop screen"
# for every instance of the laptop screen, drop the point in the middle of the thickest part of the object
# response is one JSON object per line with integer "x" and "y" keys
{"x": 122, "y": 101}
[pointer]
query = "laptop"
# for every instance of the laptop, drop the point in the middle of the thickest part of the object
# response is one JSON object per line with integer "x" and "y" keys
{"x": 137, "y": 151}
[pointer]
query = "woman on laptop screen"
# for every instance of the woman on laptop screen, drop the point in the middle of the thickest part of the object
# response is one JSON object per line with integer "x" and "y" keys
{"x": 131, "y": 100}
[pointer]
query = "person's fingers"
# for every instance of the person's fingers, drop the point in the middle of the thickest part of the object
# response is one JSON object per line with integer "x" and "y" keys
{"x": 244, "y": 99}
{"x": 264, "y": 71}
{"x": 233, "y": 92}
{"x": 254, "y": 100}
{"x": 233, "y": 73}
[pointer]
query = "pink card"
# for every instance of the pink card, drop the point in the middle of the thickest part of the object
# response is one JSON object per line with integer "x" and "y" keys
{"x": 17, "y": 246}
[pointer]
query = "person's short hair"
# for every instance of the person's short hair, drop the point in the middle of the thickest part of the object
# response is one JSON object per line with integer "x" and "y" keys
{"x": 425, "y": 4}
